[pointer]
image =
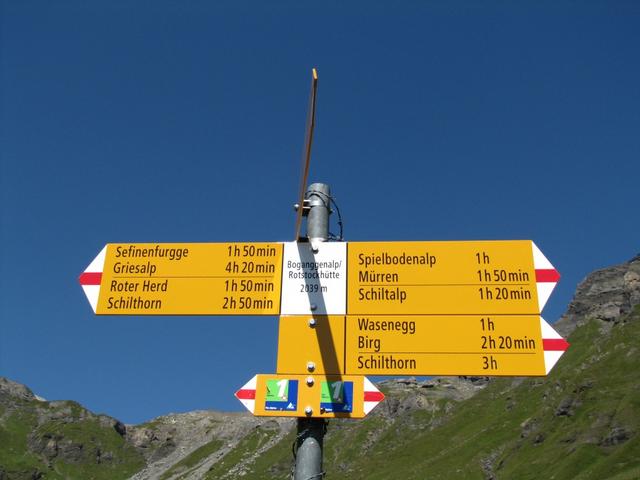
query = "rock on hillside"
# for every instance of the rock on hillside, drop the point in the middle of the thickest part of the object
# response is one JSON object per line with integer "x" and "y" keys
{"x": 56, "y": 440}
{"x": 9, "y": 390}
{"x": 604, "y": 295}
{"x": 188, "y": 445}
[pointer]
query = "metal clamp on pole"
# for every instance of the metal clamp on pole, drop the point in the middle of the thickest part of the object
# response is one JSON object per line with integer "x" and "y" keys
{"x": 318, "y": 197}
{"x": 305, "y": 207}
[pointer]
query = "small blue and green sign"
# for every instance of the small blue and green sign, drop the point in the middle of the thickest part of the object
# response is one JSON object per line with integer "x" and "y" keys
{"x": 336, "y": 397}
{"x": 282, "y": 394}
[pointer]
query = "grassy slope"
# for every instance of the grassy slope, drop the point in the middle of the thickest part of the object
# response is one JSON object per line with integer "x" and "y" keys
{"x": 15, "y": 457}
{"x": 245, "y": 449}
{"x": 514, "y": 428}
{"x": 19, "y": 461}
{"x": 580, "y": 422}
{"x": 184, "y": 466}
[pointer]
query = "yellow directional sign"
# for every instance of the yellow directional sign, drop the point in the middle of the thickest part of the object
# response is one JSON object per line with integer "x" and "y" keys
{"x": 520, "y": 345}
{"x": 186, "y": 279}
{"x": 358, "y": 278}
{"x": 421, "y": 278}
{"x": 315, "y": 396}
{"x": 445, "y": 345}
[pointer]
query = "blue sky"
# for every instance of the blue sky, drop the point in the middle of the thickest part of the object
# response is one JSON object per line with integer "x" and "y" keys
{"x": 174, "y": 121}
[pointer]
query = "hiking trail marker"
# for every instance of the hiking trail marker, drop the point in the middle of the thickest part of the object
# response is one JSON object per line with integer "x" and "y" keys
{"x": 315, "y": 396}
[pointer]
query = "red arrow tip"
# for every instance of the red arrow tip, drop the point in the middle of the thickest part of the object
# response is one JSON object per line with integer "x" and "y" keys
{"x": 243, "y": 394}
{"x": 373, "y": 396}
{"x": 555, "y": 344}
{"x": 90, "y": 278}
{"x": 550, "y": 275}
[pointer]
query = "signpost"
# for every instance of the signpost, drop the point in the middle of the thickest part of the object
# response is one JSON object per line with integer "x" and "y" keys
{"x": 348, "y": 309}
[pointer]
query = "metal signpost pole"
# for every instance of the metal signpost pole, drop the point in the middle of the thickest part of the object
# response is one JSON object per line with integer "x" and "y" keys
{"x": 317, "y": 196}
{"x": 309, "y": 441}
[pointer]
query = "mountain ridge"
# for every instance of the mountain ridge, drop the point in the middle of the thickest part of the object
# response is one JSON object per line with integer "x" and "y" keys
{"x": 581, "y": 421}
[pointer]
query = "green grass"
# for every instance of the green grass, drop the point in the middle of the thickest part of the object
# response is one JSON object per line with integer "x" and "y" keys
{"x": 15, "y": 457}
{"x": 20, "y": 462}
{"x": 275, "y": 463}
{"x": 245, "y": 449}
{"x": 97, "y": 441}
{"x": 193, "y": 459}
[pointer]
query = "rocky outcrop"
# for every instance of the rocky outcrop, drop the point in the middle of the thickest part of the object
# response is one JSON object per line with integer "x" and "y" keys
{"x": 14, "y": 391}
{"x": 605, "y": 295}
{"x": 168, "y": 440}
{"x": 42, "y": 436}
{"x": 405, "y": 395}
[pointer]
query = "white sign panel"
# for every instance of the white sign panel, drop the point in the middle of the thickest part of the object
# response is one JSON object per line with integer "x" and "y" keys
{"x": 314, "y": 283}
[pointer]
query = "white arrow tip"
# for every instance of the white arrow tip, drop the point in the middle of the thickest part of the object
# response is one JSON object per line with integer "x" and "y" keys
{"x": 91, "y": 278}
{"x": 546, "y": 276}
{"x": 372, "y": 396}
{"x": 247, "y": 394}
{"x": 540, "y": 262}
{"x": 553, "y": 345}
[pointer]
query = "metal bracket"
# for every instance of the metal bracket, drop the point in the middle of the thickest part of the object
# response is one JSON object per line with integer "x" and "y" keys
{"x": 306, "y": 206}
